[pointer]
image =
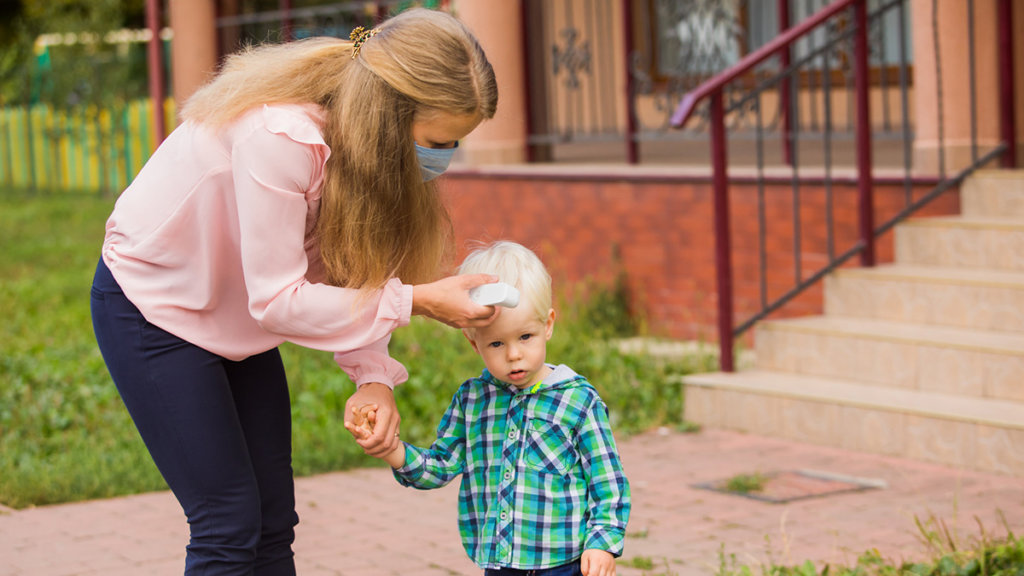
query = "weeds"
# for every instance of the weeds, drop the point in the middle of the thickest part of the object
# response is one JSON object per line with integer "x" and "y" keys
{"x": 746, "y": 483}
{"x": 641, "y": 562}
{"x": 647, "y": 565}
{"x": 948, "y": 556}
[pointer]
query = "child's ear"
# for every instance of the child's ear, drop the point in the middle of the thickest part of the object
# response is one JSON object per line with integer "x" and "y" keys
{"x": 471, "y": 342}
{"x": 549, "y": 325}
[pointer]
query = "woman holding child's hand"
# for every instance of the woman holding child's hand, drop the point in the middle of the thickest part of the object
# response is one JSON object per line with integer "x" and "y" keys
{"x": 445, "y": 301}
{"x": 294, "y": 203}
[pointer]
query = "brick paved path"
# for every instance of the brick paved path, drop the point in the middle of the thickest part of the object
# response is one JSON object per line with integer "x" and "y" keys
{"x": 362, "y": 523}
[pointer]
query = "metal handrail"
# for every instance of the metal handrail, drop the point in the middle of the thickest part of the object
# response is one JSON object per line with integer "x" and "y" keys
{"x": 713, "y": 91}
{"x": 784, "y": 40}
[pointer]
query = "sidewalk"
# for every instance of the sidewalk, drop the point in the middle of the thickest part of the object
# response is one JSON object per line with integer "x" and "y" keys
{"x": 362, "y": 523}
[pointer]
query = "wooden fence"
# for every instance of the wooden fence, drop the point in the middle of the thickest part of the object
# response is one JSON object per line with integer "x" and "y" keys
{"x": 83, "y": 150}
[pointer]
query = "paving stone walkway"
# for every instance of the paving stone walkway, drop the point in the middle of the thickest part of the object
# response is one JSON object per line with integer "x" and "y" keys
{"x": 362, "y": 523}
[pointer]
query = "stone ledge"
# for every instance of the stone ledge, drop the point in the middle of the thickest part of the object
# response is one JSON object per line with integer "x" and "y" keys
{"x": 985, "y": 411}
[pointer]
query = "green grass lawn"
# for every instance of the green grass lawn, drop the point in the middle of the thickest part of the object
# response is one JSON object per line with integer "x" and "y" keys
{"x": 65, "y": 435}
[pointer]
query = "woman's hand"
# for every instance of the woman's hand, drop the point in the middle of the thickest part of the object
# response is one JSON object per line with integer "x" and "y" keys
{"x": 383, "y": 421}
{"x": 447, "y": 301}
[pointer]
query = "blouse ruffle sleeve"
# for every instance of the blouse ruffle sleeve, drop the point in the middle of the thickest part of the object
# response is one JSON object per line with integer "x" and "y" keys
{"x": 372, "y": 364}
{"x": 275, "y": 168}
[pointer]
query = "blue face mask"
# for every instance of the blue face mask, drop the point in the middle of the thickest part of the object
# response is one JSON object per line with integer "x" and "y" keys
{"x": 434, "y": 161}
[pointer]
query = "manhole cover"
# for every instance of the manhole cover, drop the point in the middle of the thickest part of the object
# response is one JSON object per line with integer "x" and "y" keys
{"x": 790, "y": 485}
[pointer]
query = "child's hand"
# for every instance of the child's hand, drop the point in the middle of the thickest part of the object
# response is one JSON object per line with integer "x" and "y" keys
{"x": 363, "y": 420}
{"x": 597, "y": 563}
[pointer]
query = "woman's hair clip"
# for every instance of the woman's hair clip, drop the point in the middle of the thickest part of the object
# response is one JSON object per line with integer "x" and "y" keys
{"x": 360, "y": 35}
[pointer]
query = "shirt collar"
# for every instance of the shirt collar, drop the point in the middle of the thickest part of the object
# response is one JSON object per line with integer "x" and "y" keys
{"x": 559, "y": 374}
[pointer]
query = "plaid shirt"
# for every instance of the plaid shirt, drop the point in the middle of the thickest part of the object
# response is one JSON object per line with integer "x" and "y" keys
{"x": 541, "y": 476}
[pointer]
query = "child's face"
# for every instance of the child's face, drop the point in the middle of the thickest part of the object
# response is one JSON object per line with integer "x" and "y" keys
{"x": 513, "y": 347}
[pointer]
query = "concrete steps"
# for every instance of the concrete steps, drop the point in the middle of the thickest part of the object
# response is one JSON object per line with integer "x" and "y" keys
{"x": 980, "y": 299}
{"x": 994, "y": 194}
{"x": 923, "y": 358}
{"x": 974, "y": 433}
{"x": 964, "y": 242}
{"x": 909, "y": 356}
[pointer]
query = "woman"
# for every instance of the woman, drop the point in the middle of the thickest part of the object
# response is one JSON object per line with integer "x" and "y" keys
{"x": 293, "y": 203}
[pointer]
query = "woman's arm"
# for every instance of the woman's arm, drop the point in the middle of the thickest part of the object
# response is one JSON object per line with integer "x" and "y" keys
{"x": 273, "y": 168}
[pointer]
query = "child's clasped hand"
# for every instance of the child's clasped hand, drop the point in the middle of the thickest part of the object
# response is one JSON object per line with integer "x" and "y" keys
{"x": 363, "y": 419}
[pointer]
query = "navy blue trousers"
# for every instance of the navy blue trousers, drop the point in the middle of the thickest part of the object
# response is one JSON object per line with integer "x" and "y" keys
{"x": 219, "y": 431}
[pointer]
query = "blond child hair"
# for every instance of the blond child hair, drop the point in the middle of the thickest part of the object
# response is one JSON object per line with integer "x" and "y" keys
{"x": 518, "y": 266}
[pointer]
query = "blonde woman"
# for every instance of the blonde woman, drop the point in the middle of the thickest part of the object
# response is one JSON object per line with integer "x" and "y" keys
{"x": 294, "y": 203}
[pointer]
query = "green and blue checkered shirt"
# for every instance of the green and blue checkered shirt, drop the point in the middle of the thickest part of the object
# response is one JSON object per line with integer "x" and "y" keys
{"x": 541, "y": 476}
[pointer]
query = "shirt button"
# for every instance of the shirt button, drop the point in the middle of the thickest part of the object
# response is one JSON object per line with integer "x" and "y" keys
{"x": 512, "y": 435}
{"x": 508, "y": 475}
{"x": 504, "y": 516}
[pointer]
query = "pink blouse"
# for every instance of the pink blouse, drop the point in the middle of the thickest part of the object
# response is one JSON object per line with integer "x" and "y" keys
{"x": 212, "y": 242}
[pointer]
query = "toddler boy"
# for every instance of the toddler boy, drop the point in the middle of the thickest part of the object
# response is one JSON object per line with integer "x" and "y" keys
{"x": 543, "y": 488}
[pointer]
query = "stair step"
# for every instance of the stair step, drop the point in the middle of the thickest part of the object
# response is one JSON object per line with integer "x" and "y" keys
{"x": 994, "y": 193}
{"x": 941, "y": 296}
{"x": 977, "y": 433}
{"x": 962, "y": 242}
{"x": 941, "y": 359}
{"x": 920, "y": 359}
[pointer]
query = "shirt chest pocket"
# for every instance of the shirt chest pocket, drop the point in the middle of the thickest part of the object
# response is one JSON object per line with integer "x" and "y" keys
{"x": 548, "y": 448}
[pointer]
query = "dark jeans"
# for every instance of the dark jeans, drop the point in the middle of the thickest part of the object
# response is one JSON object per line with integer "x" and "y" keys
{"x": 218, "y": 430}
{"x": 570, "y": 569}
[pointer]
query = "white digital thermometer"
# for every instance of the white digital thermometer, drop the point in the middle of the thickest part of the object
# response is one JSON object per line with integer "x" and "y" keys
{"x": 497, "y": 294}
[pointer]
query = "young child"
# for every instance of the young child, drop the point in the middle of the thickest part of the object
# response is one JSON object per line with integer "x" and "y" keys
{"x": 542, "y": 484}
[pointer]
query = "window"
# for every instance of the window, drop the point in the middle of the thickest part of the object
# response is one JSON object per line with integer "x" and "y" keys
{"x": 699, "y": 38}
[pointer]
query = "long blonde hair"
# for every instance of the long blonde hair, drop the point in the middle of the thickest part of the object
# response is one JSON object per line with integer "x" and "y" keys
{"x": 377, "y": 218}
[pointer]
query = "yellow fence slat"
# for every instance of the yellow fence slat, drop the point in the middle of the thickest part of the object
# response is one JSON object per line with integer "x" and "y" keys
{"x": 19, "y": 147}
{"x": 85, "y": 149}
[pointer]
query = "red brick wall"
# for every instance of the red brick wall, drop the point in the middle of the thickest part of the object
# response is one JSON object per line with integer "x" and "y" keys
{"x": 658, "y": 231}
